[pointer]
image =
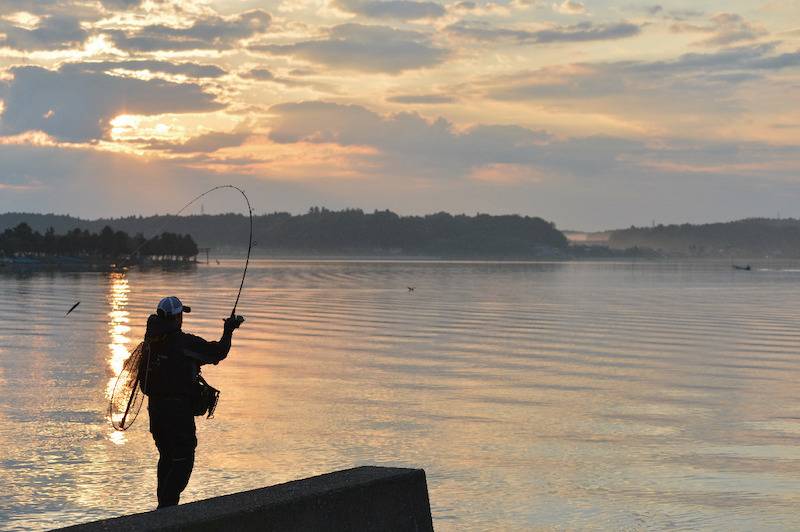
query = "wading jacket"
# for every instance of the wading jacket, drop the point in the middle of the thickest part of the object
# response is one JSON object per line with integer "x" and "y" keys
{"x": 173, "y": 358}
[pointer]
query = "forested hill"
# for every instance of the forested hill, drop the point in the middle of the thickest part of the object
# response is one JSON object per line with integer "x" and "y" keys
{"x": 336, "y": 232}
{"x": 752, "y": 237}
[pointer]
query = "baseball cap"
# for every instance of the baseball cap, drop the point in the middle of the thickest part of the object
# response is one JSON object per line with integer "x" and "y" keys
{"x": 172, "y": 306}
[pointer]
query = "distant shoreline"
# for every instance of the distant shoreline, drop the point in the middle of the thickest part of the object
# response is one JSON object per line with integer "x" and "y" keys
{"x": 354, "y": 233}
{"x": 85, "y": 264}
{"x": 235, "y": 261}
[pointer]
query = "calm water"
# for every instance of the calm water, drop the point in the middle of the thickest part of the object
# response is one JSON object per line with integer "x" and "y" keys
{"x": 536, "y": 396}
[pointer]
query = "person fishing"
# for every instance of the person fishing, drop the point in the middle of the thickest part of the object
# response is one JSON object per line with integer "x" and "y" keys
{"x": 170, "y": 377}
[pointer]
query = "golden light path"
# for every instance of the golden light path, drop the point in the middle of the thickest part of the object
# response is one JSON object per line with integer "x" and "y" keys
{"x": 117, "y": 329}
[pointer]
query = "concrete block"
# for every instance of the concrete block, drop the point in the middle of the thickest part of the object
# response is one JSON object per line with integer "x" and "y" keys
{"x": 359, "y": 499}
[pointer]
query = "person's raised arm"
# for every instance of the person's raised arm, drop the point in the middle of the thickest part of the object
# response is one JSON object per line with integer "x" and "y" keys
{"x": 212, "y": 352}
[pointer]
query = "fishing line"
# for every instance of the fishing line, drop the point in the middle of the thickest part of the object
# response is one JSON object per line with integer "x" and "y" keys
{"x": 249, "y": 244}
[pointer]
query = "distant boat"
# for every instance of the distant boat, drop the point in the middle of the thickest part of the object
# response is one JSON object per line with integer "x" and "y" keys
{"x": 738, "y": 267}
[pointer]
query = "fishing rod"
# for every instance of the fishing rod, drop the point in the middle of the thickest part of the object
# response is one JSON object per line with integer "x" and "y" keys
{"x": 189, "y": 204}
{"x": 249, "y": 249}
{"x": 138, "y": 248}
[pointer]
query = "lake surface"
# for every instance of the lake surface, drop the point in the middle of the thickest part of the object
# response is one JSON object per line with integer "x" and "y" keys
{"x": 535, "y": 395}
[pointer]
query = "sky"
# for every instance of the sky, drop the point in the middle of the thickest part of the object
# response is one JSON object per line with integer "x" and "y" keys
{"x": 593, "y": 114}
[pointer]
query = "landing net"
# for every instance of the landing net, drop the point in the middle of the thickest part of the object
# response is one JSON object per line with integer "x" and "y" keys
{"x": 127, "y": 396}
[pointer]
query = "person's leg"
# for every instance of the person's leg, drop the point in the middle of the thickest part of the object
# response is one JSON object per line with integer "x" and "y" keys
{"x": 160, "y": 428}
{"x": 178, "y": 466}
{"x": 176, "y": 480}
{"x": 164, "y": 465}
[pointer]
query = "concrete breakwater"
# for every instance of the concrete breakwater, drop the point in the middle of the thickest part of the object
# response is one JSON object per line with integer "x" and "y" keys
{"x": 363, "y": 498}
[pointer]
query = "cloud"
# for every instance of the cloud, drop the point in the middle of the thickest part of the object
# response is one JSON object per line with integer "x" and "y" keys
{"x": 776, "y": 62}
{"x": 44, "y": 8}
{"x": 53, "y": 32}
{"x": 192, "y": 70}
{"x": 391, "y": 9}
{"x": 585, "y": 31}
{"x": 207, "y": 143}
{"x": 76, "y": 105}
{"x": 406, "y": 143}
{"x": 722, "y": 30}
{"x": 303, "y": 72}
{"x": 756, "y": 56}
{"x": 570, "y": 7}
{"x": 405, "y": 146}
{"x": 697, "y": 94}
{"x": 263, "y": 74}
{"x": 485, "y": 31}
{"x": 489, "y": 9}
{"x": 706, "y": 75}
{"x": 120, "y": 4}
{"x": 366, "y": 49}
{"x": 669, "y": 13}
{"x": 207, "y": 33}
{"x": 260, "y": 74}
{"x": 421, "y": 98}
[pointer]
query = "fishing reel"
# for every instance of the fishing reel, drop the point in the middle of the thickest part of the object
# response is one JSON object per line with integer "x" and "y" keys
{"x": 234, "y": 321}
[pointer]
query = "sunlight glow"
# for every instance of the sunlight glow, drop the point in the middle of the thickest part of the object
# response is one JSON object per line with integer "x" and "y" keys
{"x": 117, "y": 328}
{"x": 33, "y": 138}
{"x": 117, "y": 437}
{"x": 97, "y": 45}
{"x": 172, "y": 128}
{"x": 123, "y": 122}
{"x": 23, "y": 19}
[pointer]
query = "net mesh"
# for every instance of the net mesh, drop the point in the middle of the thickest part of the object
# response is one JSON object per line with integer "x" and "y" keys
{"x": 127, "y": 396}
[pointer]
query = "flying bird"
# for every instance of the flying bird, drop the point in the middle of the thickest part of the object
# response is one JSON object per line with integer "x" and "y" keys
{"x": 73, "y": 307}
{"x": 411, "y": 288}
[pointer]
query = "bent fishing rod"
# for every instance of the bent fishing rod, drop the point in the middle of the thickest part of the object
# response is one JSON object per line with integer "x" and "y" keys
{"x": 189, "y": 204}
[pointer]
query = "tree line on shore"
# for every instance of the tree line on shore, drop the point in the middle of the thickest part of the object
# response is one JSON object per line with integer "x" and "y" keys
{"x": 107, "y": 244}
{"x": 350, "y": 231}
{"x": 753, "y": 237}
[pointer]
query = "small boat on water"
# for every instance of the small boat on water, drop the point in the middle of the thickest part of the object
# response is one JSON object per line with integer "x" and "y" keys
{"x": 738, "y": 267}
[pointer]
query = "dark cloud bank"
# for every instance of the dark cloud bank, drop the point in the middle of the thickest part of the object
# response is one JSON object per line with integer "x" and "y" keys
{"x": 392, "y": 9}
{"x": 210, "y": 33}
{"x": 365, "y": 48}
{"x": 585, "y": 31}
{"x": 75, "y": 104}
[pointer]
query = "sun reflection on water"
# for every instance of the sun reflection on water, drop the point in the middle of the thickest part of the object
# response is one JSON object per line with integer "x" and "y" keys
{"x": 117, "y": 329}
